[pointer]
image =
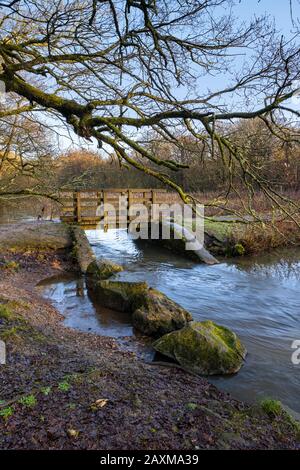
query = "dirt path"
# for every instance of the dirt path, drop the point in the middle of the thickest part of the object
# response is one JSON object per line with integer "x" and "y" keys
{"x": 62, "y": 389}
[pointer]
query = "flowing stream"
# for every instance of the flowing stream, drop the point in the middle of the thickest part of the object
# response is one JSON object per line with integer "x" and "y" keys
{"x": 258, "y": 298}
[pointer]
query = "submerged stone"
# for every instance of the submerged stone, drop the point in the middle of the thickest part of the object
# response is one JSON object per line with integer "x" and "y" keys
{"x": 204, "y": 348}
{"x": 118, "y": 295}
{"x": 102, "y": 269}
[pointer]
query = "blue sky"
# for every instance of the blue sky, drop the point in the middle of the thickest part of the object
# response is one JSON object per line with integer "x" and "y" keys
{"x": 245, "y": 10}
{"x": 277, "y": 8}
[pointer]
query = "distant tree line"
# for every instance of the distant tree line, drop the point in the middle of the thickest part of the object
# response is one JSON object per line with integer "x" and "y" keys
{"x": 278, "y": 162}
{"x": 30, "y": 163}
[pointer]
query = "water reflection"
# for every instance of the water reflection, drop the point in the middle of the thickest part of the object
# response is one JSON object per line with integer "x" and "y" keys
{"x": 282, "y": 264}
{"x": 81, "y": 311}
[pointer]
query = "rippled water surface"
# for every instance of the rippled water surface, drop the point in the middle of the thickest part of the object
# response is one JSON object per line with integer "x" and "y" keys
{"x": 258, "y": 298}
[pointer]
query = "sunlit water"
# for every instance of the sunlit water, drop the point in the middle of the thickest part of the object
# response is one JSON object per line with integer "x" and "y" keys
{"x": 256, "y": 297}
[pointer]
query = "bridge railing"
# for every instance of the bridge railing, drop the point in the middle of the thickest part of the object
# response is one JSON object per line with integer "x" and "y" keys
{"x": 82, "y": 207}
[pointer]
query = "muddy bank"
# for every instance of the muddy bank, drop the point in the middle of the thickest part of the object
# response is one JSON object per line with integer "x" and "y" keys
{"x": 63, "y": 389}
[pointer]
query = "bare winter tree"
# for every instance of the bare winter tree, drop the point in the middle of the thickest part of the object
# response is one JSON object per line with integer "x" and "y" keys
{"x": 26, "y": 152}
{"x": 29, "y": 163}
{"x": 114, "y": 69}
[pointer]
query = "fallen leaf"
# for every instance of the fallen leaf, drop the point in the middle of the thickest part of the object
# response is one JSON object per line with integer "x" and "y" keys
{"x": 72, "y": 433}
{"x": 99, "y": 403}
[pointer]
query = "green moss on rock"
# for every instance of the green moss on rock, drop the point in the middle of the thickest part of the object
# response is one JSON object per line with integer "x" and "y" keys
{"x": 154, "y": 314}
{"x": 118, "y": 295}
{"x": 204, "y": 348}
{"x": 239, "y": 249}
{"x": 102, "y": 269}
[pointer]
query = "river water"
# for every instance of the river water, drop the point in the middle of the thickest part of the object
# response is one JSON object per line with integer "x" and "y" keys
{"x": 258, "y": 298}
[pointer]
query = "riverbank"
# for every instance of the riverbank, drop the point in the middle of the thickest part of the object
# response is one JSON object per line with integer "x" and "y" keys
{"x": 238, "y": 239}
{"x": 64, "y": 389}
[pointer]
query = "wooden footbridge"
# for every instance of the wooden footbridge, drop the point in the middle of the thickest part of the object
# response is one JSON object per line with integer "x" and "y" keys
{"x": 84, "y": 207}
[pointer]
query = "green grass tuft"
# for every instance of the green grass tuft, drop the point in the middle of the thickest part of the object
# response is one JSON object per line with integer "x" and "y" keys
{"x": 46, "y": 391}
{"x": 5, "y": 312}
{"x": 191, "y": 406}
{"x": 9, "y": 333}
{"x": 12, "y": 265}
{"x": 272, "y": 407}
{"x": 64, "y": 386}
{"x": 7, "y": 412}
{"x": 28, "y": 401}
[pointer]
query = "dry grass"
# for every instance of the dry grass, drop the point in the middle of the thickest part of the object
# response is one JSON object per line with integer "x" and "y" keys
{"x": 264, "y": 237}
{"x": 240, "y": 238}
{"x": 260, "y": 203}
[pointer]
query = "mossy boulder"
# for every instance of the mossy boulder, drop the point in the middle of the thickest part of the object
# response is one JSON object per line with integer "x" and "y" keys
{"x": 204, "y": 348}
{"x": 102, "y": 269}
{"x": 154, "y": 314}
{"x": 118, "y": 295}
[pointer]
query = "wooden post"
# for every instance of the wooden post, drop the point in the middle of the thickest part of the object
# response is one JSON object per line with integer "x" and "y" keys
{"x": 145, "y": 200}
{"x": 129, "y": 203}
{"x": 105, "y": 215}
{"x": 153, "y": 196}
{"x": 153, "y": 201}
{"x": 121, "y": 217}
{"x": 74, "y": 206}
{"x": 99, "y": 202}
{"x": 78, "y": 201}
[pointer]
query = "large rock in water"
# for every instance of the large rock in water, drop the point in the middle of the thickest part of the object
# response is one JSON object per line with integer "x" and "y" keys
{"x": 118, "y": 295}
{"x": 204, "y": 348}
{"x": 102, "y": 269}
{"x": 154, "y": 314}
